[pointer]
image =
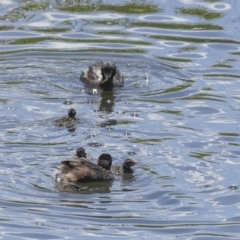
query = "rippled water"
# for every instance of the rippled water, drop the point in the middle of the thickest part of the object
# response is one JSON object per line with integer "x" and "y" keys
{"x": 177, "y": 116}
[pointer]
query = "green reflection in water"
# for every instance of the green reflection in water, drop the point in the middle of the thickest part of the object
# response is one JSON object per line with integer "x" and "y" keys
{"x": 113, "y": 33}
{"x": 200, "y": 26}
{"x": 153, "y": 100}
{"x": 170, "y": 65}
{"x": 200, "y": 13}
{"x": 4, "y": 101}
{"x": 233, "y": 144}
{"x": 221, "y": 65}
{"x": 149, "y": 141}
{"x": 30, "y": 40}
{"x": 194, "y": 40}
{"x": 92, "y": 229}
{"x": 171, "y": 112}
{"x": 28, "y": 202}
{"x": 84, "y": 8}
{"x": 40, "y": 39}
{"x": 123, "y": 122}
{"x": 175, "y": 59}
{"x": 176, "y": 88}
{"x": 212, "y": 1}
{"x": 126, "y": 8}
{"x": 204, "y": 96}
{"x": 207, "y": 89}
{"x": 13, "y": 82}
{"x": 4, "y": 28}
{"x": 187, "y": 49}
{"x": 20, "y": 12}
{"x": 169, "y": 90}
{"x": 236, "y": 53}
{"x": 113, "y": 50}
{"x": 200, "y": 155}
{"x": 187, "y": 128}
{"x": 229, "y": 134}
{"x": 98, "y": 50}
{"x": 34, "y": 6}
{"x": 222, "y": 75}
{"x": 51, "y": 30}
{"x": 4, "y": 220}
{"x": 34, "y": 144}
{"x": 110, "y": 22}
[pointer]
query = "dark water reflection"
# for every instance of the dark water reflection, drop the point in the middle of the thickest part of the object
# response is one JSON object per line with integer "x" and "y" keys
{"x": 107, "y": 101}
{"x": 177, "y": 116}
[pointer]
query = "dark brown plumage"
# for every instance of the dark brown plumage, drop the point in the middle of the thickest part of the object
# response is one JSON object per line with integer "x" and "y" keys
{"x": 69, "y": 121}
{"x": 105, "y": 161}
{"x": 81, "y": 153}
{"x": 125, "y": 168}
{"x": 120, "y": 170}
{"x": 79, "y": 170}
{"x": 102, "y": 74}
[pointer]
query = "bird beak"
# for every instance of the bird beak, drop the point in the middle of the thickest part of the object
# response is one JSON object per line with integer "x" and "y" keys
{"x": 107, "y": 76}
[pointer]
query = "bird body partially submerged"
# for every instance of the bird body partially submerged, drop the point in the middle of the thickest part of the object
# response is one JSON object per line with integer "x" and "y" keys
{"x": 69, "y": 121}
{"x": 82, "y": 170}
{"x": 102, "y": 74}
{"x": 125, "y": 168}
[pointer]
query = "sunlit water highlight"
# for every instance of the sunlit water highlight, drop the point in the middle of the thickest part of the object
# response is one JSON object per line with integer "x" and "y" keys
{"x": 177, "y": 116}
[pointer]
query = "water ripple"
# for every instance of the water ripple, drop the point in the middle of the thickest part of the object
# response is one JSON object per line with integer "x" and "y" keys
{"x": 177, "y": 116}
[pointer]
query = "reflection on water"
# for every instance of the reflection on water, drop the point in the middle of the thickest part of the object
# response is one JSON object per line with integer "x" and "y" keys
{"x": 107, "y": 99}
{"x": 177, "y": 116}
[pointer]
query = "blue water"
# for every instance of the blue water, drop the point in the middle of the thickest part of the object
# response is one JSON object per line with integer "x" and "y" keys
{"x": 177, "y": 116}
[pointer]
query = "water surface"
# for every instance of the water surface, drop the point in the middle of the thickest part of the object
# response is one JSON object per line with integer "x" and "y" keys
{"x": 177, "y": 116}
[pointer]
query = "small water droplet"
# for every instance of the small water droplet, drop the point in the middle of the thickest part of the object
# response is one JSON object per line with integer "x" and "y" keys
{"x": 92, "y": 134}
{"x": 131, "y": 153}
{"x": 68, "y": 102}
{"x": 95, "y": 144}
{"x": 121, "y": 112}
{"x": 109, "y": 128}
{"x": 147, "y": 78}
{"x": 94, "y": 91}
{"x": 126, "y": 134}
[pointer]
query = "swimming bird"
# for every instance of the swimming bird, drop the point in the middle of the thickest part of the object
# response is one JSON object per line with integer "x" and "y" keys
{"x": 104, "y": 75}
{"x": 69, "y": 121}
{"x": 82, "y": 170}
{"x": 81, "y": 153}
{"x": 116, "y": 170}
{"x": 125, "y": 168}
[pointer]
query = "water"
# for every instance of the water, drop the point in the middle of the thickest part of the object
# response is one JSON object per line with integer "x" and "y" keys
{"x": 177, "y": 116}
